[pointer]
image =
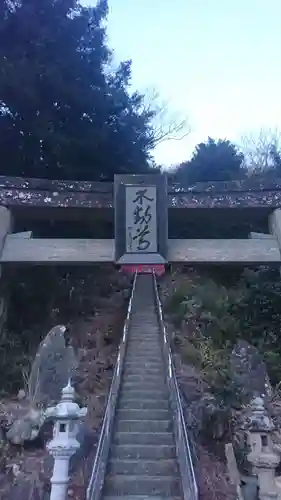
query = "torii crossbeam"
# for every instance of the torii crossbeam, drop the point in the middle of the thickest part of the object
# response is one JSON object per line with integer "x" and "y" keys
{"x": 141, "y": 236}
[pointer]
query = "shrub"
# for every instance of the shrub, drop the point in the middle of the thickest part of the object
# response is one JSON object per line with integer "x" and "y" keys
{"x": 249, "y": 309}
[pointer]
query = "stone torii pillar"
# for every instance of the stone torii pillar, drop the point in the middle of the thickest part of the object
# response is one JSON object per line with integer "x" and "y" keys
{"x": 6, "y": 223}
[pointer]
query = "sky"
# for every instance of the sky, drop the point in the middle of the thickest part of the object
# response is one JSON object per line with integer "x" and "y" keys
{"x": 215, "y": 62}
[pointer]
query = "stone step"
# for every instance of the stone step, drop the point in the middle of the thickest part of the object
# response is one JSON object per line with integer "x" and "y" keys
{"x": 140, "y": 362}
{"x": 143, "y": 322}
{"x": 148, "y": 380}
{"x": 119, "y": 484}
{"x": 146, "y": 311}
{"x": 147, "y": 305}
{"x": 147, "y": 299}
{"x": 148, "y": 351}
{"x": 144, "y": 337}
{"x": 143, "y": 378}
{"x": 144, "y": 393}
{"x": 144, "y": 347}
{"x": 139, "y": 414}
{"x": 143, "y": 317}
{"x": 144, "y": 326}
{"x": 143, "y": 425}
{"x": 144, "y": 359}
{"x": 147, "y": 314}
{"x": 145, "y": 340}
{"x": 141, "y": 346}
{"x": 139, "y": 333}
{"x": 142, "y": 451}
{"x": 135, "y": 369}
{"x": 143, "y": 438}
{"x": 136, "y": 344}
{"x": 140, "y": 356}
{"x": 137, "y": 404}
{"x": 148, "y": 355}
{"x": 151, "y": 375}
{"x": 139, "y": 497}
{"x": 149, "y": 385}
{"x": 140, "y": 467}
{"x": 146, "y": 308}
{"x": 142, "y": 367}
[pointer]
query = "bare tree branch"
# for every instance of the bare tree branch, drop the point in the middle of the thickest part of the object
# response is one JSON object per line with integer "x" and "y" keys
{"x": 257, "y": 150}
{"x": 167, "y": 126}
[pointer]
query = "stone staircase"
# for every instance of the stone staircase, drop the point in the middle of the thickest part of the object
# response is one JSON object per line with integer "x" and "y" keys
{"x": 142, "y": 459}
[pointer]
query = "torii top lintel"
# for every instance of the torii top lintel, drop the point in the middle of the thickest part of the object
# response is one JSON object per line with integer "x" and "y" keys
{"x": 16, "y": 191}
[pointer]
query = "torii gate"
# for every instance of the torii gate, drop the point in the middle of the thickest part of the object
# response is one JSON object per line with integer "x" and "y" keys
{"x": 141, "y": 236}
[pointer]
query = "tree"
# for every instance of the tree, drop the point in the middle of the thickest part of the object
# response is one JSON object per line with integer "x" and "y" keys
{"x": 211, "y": 161}
{"x": 262, "y": 153}
{"x": 65, "y": 113}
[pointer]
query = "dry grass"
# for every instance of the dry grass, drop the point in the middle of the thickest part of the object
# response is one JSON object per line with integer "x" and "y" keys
{"x": 212, "y": 475}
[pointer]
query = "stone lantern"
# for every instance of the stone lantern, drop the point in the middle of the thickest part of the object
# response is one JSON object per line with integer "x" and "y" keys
{"x": 262, "y": 455}
{"x": 64, "y": 444}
